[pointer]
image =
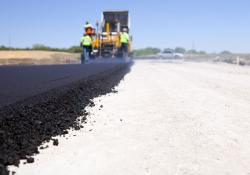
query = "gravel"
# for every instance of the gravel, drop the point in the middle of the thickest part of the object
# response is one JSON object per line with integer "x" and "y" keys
{"x": 24, "y": 126}
{"x": 177, "y": 118}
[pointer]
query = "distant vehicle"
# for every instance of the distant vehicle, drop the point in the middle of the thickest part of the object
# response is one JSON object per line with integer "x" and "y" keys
{"x": 170, "y": 54}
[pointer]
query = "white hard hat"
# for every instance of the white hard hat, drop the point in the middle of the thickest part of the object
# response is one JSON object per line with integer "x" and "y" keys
{"x": 124, "y": 29}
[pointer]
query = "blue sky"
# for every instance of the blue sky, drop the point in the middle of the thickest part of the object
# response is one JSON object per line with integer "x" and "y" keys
{"x": 210, "y": 25}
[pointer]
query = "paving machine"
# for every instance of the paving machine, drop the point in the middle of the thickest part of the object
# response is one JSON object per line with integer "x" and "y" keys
{"x": 106, "y": 41}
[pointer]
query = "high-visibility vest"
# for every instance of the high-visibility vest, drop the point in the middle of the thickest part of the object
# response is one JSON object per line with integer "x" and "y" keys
{"x": 124, "y": 38}
{"x": 86, "y": 40}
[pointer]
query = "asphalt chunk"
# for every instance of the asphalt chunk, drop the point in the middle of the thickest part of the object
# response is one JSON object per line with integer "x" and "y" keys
{"x": 30, "y": 160}
{"x": 55, "y": 142}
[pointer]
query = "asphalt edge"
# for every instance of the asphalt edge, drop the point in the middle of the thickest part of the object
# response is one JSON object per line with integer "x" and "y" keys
{"x": 25, "y": 125}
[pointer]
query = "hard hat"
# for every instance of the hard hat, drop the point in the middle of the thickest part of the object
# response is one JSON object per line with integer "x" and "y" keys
{"x": 124, "y": 29}
{"x": 88, "y": 25}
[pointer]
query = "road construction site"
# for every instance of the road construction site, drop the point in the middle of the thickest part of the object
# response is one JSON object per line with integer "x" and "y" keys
{"x": 167, "y": 117}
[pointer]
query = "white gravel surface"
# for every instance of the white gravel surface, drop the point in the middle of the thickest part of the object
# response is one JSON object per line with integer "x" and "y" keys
{"x": 167, "y": 118}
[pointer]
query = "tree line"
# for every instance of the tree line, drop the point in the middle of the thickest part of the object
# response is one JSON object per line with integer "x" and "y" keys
{"x": 153, "y": 51}
{"x": 137, "y": 52}
{"x": 42, "y": 47}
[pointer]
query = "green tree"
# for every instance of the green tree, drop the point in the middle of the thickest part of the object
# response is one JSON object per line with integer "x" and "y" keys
{"x": 40, "y": 47}
{"x": 180, "y": 50}
{"x": 226, "y": 52}
{"x": 2, "y": 47}
{"x": 147, "y": 51}
{"x": 75, "y": 49}
{"x": 192, "y": 51}
{"x": 202, "y": 52}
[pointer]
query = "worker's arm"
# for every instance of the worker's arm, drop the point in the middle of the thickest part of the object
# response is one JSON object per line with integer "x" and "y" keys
{"x": 81, "y": 41}
{"x": 128, "y": 38}
{"x": 120, "y": 36}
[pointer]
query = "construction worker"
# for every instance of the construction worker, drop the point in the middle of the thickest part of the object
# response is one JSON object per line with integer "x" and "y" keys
{"x": 124, "y": 39}
{"x": 86, "y": 44}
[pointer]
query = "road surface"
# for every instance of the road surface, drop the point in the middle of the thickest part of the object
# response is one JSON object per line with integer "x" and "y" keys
{"x": 21, "y": 82}
{"x": 167, "y": 118}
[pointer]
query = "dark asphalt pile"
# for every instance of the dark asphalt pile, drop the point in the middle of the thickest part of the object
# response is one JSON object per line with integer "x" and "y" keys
{"x": 24, "y": 126}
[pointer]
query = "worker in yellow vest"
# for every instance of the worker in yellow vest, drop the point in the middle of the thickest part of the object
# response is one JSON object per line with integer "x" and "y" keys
{"x": 124, "y": 39}
{"x": 86, "y": 44}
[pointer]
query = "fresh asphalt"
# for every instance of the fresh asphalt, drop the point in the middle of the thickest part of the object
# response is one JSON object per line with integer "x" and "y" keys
{"x": 18, "y": 83}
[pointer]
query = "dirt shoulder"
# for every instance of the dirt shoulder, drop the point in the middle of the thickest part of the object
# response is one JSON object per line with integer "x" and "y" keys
{"x": 37, "y": 57}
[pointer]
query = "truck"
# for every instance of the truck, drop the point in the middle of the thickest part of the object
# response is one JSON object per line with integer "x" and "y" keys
{"x": 106, "y": 41}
